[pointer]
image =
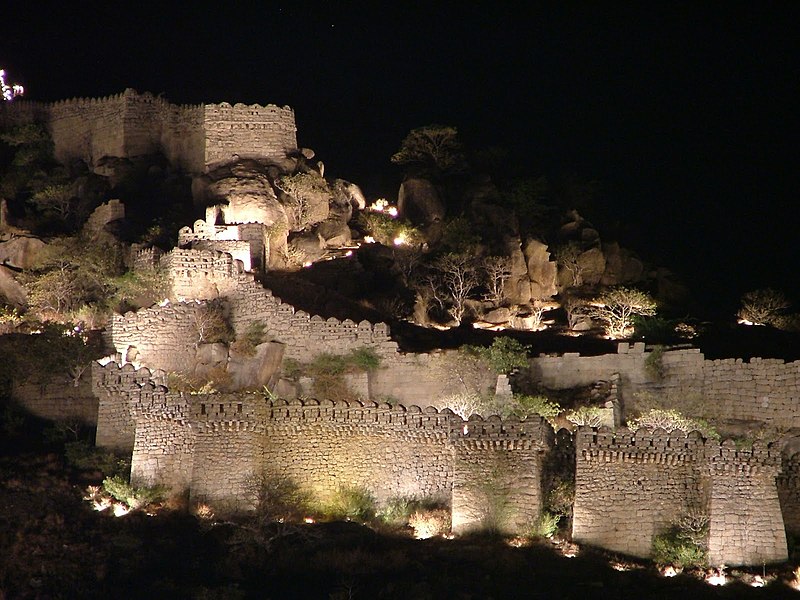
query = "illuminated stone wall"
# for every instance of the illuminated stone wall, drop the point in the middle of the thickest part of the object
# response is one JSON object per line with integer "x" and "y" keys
{"x": 131, "y": 124}
{"x": 212, "y": 445}
{"x": 631, "y": 487}
{"x": 247, "y": 131}
{"x": 766, "y": 390}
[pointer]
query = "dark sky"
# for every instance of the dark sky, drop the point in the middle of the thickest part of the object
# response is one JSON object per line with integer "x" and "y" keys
{"x": 688, "y": 116}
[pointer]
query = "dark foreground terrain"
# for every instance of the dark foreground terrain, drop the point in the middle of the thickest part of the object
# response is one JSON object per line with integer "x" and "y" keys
{"x": 53, "y": 545}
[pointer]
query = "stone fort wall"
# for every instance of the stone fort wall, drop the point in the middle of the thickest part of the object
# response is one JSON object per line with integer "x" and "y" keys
{"x": 129, "y": 124}
{"x": 629, "y": 487}
{"x": 213, "y": 445}
{"x": 765, "y": 390}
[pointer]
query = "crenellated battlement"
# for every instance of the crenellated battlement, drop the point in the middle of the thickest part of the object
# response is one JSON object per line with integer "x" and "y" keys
{"x": 128, "y": 124}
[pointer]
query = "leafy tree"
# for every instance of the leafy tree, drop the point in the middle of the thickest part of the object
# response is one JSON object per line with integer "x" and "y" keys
{"x": 504, "y": 355}
{"x": 431, "y": 150}
{"x": 617, "y": 307}
{"x": 73, "y": 272}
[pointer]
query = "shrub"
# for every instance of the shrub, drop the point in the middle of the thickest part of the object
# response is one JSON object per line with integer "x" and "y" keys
{"x": 85, "y": 457}
{"x": 364, "y": 359}
{"x": 465, "y": 405}
{"x": 391, "y": 232}
{"x": 561, "y": 498}
{"x": 119, "y": 489}
{"x": 763, "y": 307}
{"x": 211, "y": 324}
{"x": 399, "y": 509}
{"x": 428, "y": 523}
{"x": 327, "y": 364}
{"x": 537, "y": 405}
{"x": 589, "y": 416}
{"x": 253, "y": 336}
{"x": 671, "y": 420}
{"x": 353, "y": 503}
{"x": 683, "y": 544}
{"x": 504, "y": 355}
{"x": 545, "y": 526}
{"x": 654, "y": 363}
{"x": 277, "y": 496}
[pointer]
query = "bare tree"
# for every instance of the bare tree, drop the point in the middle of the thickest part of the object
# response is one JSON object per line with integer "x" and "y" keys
{"x": 567, "y": 258}
{"x": 452, "y": 281}
{"x": 497, "y": 270}
{"x": 763, "y": 307}
{"x": 302, "y": 190}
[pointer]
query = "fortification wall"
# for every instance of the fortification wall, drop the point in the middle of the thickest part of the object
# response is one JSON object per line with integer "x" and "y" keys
{"x": 248, "y": 130}
{"x": 628, "y": 489}
{"x": 631, "y": 487}
{"x": 746, "y": 525}
{"x": 132, "y": 124}
{"x": 766, "y": 390}
{"x": 201, "y": 274}
{"x": 119, "y": 390}
{"x": 88, "y": 128}
{"x": 162, "y": 337}
{"x": 305, "y": 336}
{"x": 58, "y": 400}
{"x": 789, "y": 492}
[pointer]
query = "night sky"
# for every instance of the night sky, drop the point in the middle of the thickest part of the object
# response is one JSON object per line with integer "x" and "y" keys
{"x": 687, "y": 116}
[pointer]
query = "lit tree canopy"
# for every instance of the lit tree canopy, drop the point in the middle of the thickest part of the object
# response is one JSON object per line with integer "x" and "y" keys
{"x": 433, "y": 148}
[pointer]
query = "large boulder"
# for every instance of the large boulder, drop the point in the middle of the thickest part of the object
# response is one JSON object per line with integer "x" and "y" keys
{"x": 419, "y": 202}
{"x": 518, "y": 286}
{"x": 541, "y": 270}
{"x": 11, "y": 292}
{"x": 592, "y": 264}
{"x": 246, "y": 199}
{"x": 20, "y": 252}
{"x": 621, "y": 266}
{"x": 335, "y": 233}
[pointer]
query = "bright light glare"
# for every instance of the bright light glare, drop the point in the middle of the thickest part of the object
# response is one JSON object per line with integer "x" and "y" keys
{"x": 9, "y": 91}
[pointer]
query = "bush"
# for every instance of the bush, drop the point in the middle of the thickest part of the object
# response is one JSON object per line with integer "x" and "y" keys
{"x": 684, "y": 544}
{"x": 671, "y": 420}
{"x": 428, "y": 523}
{"x": 277, "y": 496}
{"x": 352, "y": 503}
{"x": 118, "y": 488}
{"x": 589, "y": 416}
{"x": 247, "y": 343}
{"x": 82, "y": 455}
{"x": 399, "y": 509}
{"x": 763, "y": 307}
{"x": 561, "y": 499}
{"x": 504, "y": 355}
{"x": 654, "y": 363}
{"x": 536, "y": 405}
{"x": 364, "y": 359}
{"x": 545, "y": 526}
{"x": 391, "y": 232}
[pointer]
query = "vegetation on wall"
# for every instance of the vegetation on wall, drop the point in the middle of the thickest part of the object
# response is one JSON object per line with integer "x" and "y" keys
{"x": 504, "y": 355}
